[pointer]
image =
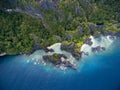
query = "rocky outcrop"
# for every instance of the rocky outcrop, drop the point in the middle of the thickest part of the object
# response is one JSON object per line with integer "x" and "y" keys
{"x": 98, "y": 49}
{"x": 72, "y": 48}
{"x": 68, "y": 36}
{"x": 80, "y": 31}
{"x": 55, "y": 58}
{"x": 69, "y": 47}
{"x": 88, "y": 41}
{"x": 58, "y": 38}
{"x": 30, "y": 10}
{"x": 36, "y": 45}
{"x": 117, "y": 33}
{"x": 60, "y": 60}
{"x": 47, "y": 5}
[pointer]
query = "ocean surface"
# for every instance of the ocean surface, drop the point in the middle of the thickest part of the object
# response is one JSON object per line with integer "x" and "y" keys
{"x": 96, "y": 72}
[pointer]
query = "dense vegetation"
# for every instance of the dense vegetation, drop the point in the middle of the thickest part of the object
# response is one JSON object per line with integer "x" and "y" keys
{"x": 66, "y": 21}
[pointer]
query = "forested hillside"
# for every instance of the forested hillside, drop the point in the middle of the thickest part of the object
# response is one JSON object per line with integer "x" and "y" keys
{"x": 27, "y": 25}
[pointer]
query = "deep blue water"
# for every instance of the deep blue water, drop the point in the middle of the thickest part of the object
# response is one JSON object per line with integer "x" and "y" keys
{"x": 98, "y": 72}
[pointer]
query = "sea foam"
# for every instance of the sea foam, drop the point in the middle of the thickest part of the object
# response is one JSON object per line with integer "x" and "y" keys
{"x": 102, "y": 41}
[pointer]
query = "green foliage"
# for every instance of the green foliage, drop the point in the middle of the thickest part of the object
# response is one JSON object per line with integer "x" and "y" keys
{"x": 17, "y": 31}
{"x": 105, "y": 11}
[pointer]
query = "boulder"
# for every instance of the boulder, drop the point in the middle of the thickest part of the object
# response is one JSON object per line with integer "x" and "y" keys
{"x": 88, "y": 41}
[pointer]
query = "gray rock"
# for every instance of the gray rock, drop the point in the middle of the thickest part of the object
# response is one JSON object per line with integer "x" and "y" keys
{"x": 56, "y": 59}
{"x": 117, "y": 33}
{"x": 37, "y": 0}
{"x": 58, "y": 38}
{"x": 30, "y": 10}
{"x": 92, "y": 27}
{"x": 100, "y": 27}
{"x": 48, "y": 50}
{"x": 85, "y": 53}
{"x": 77, "y": 55}
{"x": 69, "y": 36}
{"x": 116, "y": 22}
{"x": 78, "y": 10}
{"x": 98, "y": 49}
{"x": 68, "y": 48}
{"x": 71, "y": 48}
{"x": 36, "y": 45}
{"x": 80, "y": 31}
{"x": 55, "y": 1}
{"x": 88, "y": 41}
{"x": 47, "y": 5}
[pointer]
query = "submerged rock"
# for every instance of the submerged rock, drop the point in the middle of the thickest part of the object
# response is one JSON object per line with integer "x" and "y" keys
{"x": 77, "y": 55}
{"x": 117, "y": 33}
{"x": 98, "y": 49}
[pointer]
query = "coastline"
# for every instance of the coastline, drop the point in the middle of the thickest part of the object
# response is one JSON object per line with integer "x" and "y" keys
{"x": 99, "y": 45}
{"x": 64, "y": 57}
{"x": 94, "y": 68}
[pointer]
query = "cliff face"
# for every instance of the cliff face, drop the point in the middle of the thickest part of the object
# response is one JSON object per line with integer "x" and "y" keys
{"x": 66, "y": 13}
{"x": 56, "y": 13}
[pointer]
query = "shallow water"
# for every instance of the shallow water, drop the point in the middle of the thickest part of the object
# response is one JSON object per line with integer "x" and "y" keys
{"x": 96, "y": 72}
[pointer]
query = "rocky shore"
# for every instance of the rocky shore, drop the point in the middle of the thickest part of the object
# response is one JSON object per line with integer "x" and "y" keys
{"x": 60, "y": 60}
{"x": 71, "y": 48}
{"x": 91, "y": 45}
{"x": 55, "y": 54}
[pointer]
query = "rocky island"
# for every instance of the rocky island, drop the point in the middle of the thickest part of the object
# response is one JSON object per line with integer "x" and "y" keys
{"x": 27, "y": 26}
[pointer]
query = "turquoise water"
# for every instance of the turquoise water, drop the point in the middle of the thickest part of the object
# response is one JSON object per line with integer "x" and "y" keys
{"x": 96, "y": 72}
